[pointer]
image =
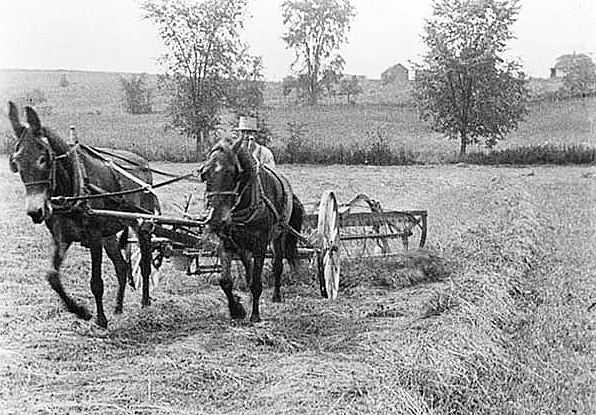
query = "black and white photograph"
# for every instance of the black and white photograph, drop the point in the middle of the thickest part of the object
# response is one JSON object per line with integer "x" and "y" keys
{"x": 297, "y": 207}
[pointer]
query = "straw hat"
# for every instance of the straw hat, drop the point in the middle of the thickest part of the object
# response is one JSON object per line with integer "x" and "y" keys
{"x": 247, "y": 124}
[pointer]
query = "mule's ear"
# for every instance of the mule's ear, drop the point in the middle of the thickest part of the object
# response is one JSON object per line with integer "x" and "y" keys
{"x": 13, "y": 116}
{"x": 11, "y": 163}
{"x": 236, "y": 145}
{"x": 33, "y": 119}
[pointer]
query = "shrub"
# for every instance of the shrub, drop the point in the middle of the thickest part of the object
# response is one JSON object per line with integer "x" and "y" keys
{"x": 536, "y": 154}
{"x": 375, "y": 151}
{"x": 7, "y": 145}
{"x": 295, "y": 148}
{"x": 137, "y": 95}
{"x": 64, "y": 81}
{"x": 32, "y": 98}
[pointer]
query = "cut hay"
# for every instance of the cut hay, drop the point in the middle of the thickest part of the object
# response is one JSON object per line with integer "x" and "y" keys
{"x": 394, "y": 272}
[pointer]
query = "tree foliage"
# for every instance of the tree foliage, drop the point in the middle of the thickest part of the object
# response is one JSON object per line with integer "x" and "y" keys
{"x": 464, "y": 87}
{"x": 580, "y": 74}
{"x": 205, "y": 58}
{"x": 137, "y": 94}
{"x": 349, "y": 87}
{"x": 246, "y": 88}
{"x": 315, "y": 30}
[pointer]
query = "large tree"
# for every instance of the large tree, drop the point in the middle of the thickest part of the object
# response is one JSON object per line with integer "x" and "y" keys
{"x": 315, "y": 30}
{"x": 205, "y": 57}
{"x": 464, "y": 87}
{"x": 580, "y": 74}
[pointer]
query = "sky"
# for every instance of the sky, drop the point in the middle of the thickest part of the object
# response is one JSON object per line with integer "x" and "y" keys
{"x": 111, "y": 35}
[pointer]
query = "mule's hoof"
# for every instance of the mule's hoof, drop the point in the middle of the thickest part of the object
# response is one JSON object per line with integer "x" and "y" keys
{"x": 102, "y": 322}
{"x": 118, "y": 310}
{"x": 255, "y": 318}
{"x": 145, "y": 303}
{"x": 277, "y": 298}
{"x": 82, "y": 312}
{"x": 237, "y": 311}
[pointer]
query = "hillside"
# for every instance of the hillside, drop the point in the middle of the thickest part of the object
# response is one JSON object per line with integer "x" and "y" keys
{"x": 92, "y": 102}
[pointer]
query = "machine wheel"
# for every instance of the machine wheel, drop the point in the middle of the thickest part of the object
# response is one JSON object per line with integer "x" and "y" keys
{"x": 328, "y": 258}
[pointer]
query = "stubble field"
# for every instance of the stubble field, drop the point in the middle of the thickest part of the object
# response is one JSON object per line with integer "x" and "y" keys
{"x": 496, "y": 322}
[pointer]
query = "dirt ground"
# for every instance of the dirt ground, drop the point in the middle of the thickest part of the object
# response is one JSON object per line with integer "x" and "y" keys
{"x": 183, "y": 355}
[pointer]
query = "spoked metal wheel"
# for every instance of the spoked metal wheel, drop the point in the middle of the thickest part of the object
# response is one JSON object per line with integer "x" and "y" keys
{"x": 328, "y": 258}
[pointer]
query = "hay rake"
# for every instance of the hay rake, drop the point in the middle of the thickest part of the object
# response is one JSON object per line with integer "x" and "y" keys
{"x": 360, "y": 228}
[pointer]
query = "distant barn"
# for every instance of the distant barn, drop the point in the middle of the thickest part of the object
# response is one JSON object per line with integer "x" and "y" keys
{"x": 396, "y": 74}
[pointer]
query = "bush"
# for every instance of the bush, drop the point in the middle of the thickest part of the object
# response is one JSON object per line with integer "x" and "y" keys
{"x": 137, "y": 95}
{"x": 31, "y": 98}
{"x": 64, "y": 81}
{"x": 375, "y": 151}
{"x": 536, "y": 154}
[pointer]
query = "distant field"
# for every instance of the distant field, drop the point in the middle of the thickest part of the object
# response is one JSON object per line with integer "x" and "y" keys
{"x": 92, "y": 102}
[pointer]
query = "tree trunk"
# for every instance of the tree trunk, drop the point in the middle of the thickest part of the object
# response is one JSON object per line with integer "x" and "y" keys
{"x": 463, "y": 144}
{"x": 198, "y": 141}
{"x": 200, "y": 144}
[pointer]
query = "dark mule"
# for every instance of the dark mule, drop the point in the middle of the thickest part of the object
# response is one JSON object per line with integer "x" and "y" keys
{"x": 48, "y": 168}
{"x": 249, "y": 206}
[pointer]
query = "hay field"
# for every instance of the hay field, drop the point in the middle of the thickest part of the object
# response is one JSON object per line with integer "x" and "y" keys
{"x": 500, "y": 327}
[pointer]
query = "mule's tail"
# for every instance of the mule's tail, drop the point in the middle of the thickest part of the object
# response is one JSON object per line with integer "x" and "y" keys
{"x": 296, "y": 218}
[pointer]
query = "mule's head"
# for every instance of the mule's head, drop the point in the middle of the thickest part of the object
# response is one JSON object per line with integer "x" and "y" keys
{"x": 32, "y": 159}
{"x": 226, "y": 167}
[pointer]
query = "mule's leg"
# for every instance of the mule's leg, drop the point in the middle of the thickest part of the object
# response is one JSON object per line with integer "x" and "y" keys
{"x": 125, "y": 249}
{"x": 145, "y": 247}
{"x": 96, "y": 247}
{"x": 256, "y": 287}
{"x": 278, "y": 266}
{"x": 225, "y": 281}
{"x": 247, "y": 262}
{"x": 53, "y": 277}
{"x": 112, "y": 248}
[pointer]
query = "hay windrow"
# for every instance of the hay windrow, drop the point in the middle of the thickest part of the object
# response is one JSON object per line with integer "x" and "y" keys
{"x": 461, "y": 360}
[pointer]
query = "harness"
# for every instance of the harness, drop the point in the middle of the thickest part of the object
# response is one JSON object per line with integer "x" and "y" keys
{"x": 259, "y": 203}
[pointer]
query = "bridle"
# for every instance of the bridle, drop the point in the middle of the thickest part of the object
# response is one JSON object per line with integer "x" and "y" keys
{"x": 50, "y": 181}
{"x": 258, "y": 200}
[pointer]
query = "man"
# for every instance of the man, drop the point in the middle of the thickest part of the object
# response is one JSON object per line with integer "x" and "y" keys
{"x": 247, "y": 128}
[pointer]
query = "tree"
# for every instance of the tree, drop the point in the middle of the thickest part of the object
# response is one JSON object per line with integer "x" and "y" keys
{"x": 137, "y": 94}
{"x": 205, "y": 56}
{"x": 580, "y": 74}
{"x": 246, "y": 90}
{"x": 350, "y": 87}
{"x": 315, "y": 29}
{"x": 464, "y": 87}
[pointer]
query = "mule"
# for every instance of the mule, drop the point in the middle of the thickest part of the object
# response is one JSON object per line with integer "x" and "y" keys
{"x": 249, "y": 207}
{"x": 48, "y": 167}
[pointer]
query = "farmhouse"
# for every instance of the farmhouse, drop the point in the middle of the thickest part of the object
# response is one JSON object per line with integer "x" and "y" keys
{"x": 563, "y": 62}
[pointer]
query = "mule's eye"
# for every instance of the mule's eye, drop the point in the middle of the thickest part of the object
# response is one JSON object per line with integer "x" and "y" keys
{"x": 42, "y": 160}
